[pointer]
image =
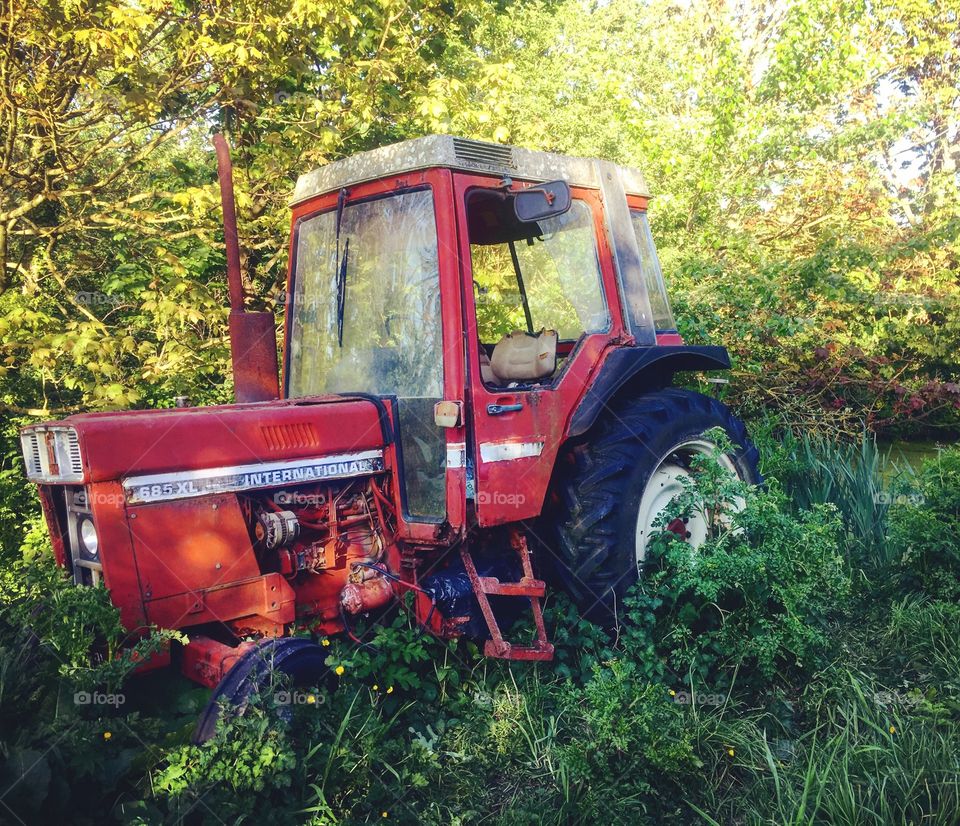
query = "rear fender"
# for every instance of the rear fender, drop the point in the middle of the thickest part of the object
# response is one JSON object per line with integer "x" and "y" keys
{"x": 639, "y": 369}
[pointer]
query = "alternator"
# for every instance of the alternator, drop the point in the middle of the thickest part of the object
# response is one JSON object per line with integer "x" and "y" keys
{"x": 275, "y": 529}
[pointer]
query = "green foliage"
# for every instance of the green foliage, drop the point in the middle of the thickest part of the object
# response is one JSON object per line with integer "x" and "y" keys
{"x": 756, "y": 599}
{"x": 919, "y": 641}
{"x": 400, "y": 655}
{"x": 925, "y": 530}
{"x": 856, "y": 476}
{"x": 111, "y": 263}
{"x": 774, "y": 139}
{"x": 744, "y": 684}
{"x": 870, "y": 754}
{"x": 803, "y": 174}
{"x": 620, "y": 714}
{"x": 65, "y": 722}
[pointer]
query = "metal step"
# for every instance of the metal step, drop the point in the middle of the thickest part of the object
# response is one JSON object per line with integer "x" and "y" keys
{"x": 527, "y": 588}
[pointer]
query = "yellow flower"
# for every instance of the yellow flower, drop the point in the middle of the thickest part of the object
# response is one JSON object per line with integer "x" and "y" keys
{"x": 107, "y": 735}
{"x": 376, "y": 687}
{"x": 390, "y": 689}
{"x": 384, "y": 814}
{"x": 730, "y": 752}
{"x": 673, "y": 693}
{"x": 893, "y": 729}
{"x": 324, "y": 641}
{"x": 339, "y": 670}
{"x": 311, "y": 699}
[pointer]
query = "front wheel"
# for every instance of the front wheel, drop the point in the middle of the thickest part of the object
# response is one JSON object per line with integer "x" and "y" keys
{"x": 616, "y": 484}
{"x": 301, "y": 662}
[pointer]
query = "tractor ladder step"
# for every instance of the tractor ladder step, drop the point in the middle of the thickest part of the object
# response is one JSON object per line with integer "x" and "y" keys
{"x": 529, "y": 587}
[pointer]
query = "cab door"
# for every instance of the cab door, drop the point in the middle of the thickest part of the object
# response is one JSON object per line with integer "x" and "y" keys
{"x": 556, "y": 275}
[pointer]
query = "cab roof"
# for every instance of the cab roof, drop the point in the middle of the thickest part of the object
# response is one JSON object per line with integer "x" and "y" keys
{"x": 449, "y": 152}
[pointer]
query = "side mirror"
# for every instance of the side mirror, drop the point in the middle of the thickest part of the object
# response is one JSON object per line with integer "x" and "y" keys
{"x": 543, "y": 201}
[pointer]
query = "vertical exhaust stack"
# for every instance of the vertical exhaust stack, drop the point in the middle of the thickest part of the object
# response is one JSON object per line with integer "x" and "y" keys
{"x": 253, "y": 336}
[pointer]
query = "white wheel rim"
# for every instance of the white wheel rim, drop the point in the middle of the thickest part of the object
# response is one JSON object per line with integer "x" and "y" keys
{"x": 667, "y": 482}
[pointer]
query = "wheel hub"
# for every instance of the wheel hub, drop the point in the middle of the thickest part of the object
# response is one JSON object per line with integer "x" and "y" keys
{"x": 668, "y": 481}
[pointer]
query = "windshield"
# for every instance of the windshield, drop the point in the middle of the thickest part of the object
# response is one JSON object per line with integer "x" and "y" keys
{"x": 390, "y": 295}
{"x": 386, "y": 337}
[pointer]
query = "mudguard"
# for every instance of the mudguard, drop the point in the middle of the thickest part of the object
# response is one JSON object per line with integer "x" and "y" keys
{"x": 641, "y": 368}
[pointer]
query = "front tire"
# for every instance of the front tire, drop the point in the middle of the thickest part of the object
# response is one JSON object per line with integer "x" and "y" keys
{"x": 615, "y": 484}
{"x": 303, "y": 662}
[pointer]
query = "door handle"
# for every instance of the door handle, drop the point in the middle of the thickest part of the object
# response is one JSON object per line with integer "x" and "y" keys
{"x": 500, "y": 409}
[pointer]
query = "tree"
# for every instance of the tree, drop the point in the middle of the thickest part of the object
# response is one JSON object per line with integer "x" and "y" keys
{"x": 768, "y": 132}
{"x": 111, "y": 289}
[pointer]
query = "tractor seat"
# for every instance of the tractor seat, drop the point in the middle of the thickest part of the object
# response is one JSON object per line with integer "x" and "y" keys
{"x": 520, "y": 358}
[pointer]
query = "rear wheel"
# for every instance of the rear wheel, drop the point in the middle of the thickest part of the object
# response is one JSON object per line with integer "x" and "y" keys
{"x": 617, "y": 484}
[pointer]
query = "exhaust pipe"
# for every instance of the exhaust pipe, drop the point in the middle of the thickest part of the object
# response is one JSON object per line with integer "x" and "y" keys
{"x": 253, "y": 336}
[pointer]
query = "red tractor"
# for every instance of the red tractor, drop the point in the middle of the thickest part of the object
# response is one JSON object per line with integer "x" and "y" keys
{"x": 477, "y": 361}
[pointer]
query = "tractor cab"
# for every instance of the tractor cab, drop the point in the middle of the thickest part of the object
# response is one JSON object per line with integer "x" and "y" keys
{"x": 475, "y": 287}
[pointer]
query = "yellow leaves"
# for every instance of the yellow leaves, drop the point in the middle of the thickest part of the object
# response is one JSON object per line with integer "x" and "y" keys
{"x": 113, "y": 391}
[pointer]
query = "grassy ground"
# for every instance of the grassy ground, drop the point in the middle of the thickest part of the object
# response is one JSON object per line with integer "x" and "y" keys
{"x": 803, "y": 669}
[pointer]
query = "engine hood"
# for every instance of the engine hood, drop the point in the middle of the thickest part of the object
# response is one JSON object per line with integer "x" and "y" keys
{"x": 266, "y": 437}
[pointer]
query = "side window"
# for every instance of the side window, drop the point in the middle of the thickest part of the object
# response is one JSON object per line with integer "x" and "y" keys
{"x": 652, "y": 274}
{"x": 535, "y": 276}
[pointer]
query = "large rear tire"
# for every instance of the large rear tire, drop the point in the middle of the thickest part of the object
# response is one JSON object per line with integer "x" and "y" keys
{"x": 613, "y": 486}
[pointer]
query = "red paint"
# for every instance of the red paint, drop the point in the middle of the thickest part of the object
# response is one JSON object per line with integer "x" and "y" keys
{"x": 369, "y": 595}
{"x": 207, "y": 661}
{"x": 116, "y": 445}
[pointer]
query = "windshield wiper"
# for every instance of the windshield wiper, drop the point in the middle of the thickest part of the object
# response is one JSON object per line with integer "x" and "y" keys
{"x": 342, "y": 292}
{"x": 340, "y": 267}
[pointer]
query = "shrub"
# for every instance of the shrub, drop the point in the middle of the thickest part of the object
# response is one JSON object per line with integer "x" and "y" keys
{"x": 757, "y": 597}
{"x": 854, "y": 474}
{"x": 925, "y": 530}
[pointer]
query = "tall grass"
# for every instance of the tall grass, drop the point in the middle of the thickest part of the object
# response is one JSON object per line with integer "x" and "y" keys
{"x": 861, "y": 759}
{"x": 857, "y": 476}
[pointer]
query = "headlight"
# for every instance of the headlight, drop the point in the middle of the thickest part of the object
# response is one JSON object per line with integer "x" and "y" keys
{"x": 88, "y": 537}
{"x": 51, "y": 453}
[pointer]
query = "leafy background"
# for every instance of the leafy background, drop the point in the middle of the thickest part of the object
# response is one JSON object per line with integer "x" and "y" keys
{"x": 804, "y": 162}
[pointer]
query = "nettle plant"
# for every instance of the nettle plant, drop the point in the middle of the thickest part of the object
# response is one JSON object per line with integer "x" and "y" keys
{"x": 756, "y": 599}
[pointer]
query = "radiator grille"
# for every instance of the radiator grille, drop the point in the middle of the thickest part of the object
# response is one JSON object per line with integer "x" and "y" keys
{"x": 31, "y": 453}
{"x": 73, "y": 447}
{"x": 52, "y": 454}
